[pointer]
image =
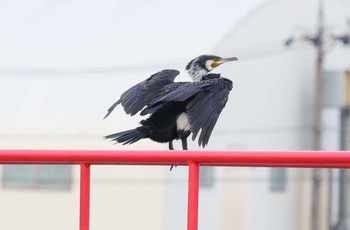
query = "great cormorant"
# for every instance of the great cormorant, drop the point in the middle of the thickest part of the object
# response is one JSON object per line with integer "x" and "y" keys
{"x": 177, "y": 108}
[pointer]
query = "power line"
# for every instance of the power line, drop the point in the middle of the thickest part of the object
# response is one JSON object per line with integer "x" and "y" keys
{"x": 261, "y": 50}
{"x": 77, "y": 71}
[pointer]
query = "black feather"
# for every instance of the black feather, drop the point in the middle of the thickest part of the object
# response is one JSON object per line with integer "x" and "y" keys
{"x": 138, "y": 96}
{"x": 128, "y": 137}
{"x": 204, "y": 102}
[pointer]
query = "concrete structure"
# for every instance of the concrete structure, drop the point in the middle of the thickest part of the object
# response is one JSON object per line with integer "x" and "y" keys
{"x": 62, "y": 64}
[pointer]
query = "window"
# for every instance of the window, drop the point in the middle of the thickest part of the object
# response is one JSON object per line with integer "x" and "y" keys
{"x": 278, "y": 179}
{"x": 206, "y": 177}
{"x": 37, "y": 176}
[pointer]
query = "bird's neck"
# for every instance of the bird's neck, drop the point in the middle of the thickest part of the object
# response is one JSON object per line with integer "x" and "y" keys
{"x": 197, "y": 73}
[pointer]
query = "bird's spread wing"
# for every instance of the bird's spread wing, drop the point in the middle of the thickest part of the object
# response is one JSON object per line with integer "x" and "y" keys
{"x": 204, "y": 110}
{"x": 138, "y": 96}
{"x": 184, "y": 92}
{"x": 158, "y": 101}
{"x": 207, "y": 99}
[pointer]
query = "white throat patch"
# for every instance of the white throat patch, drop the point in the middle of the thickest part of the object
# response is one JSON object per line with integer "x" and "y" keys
{"x": 197, "y": 73}
{"x": 208, "y": 65}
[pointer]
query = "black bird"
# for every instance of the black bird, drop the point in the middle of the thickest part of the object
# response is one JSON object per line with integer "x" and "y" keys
{"x": 176, "y": 108}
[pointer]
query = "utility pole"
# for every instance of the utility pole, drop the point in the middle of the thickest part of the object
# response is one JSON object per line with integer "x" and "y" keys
{"x": 318, "y": 41}
{"x": 317, "y": 127}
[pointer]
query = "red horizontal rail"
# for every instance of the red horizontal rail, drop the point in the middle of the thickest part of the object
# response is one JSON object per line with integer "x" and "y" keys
{"x": 315, "y": 159}
{"x": 322, "y": 159}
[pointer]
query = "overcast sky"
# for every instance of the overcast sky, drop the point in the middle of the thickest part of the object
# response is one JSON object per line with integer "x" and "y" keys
{"x": 49, "y": 34}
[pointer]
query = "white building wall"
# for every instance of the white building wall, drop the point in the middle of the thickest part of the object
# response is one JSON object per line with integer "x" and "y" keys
{"x": 270, "y": 108}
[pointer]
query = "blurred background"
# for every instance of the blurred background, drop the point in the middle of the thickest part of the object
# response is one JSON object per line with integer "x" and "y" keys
{"x": 63, "y": 63}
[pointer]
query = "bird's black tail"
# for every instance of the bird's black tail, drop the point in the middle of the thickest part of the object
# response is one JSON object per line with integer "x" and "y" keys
{"x": 128, "y": 136}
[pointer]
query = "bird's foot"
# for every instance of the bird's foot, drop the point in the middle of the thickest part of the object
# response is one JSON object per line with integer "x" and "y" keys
{"x": 171, "y": 167}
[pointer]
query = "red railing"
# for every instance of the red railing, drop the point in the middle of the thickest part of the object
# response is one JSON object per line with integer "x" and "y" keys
{"x": 85, "y": 158}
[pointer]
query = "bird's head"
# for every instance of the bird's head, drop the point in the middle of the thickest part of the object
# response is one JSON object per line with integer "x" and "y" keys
{"x": 202, "y": 65}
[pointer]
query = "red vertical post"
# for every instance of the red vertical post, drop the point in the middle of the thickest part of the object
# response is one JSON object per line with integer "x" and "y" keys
{"x": 193, "y": 192}
{"x": 84, "y": 196}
